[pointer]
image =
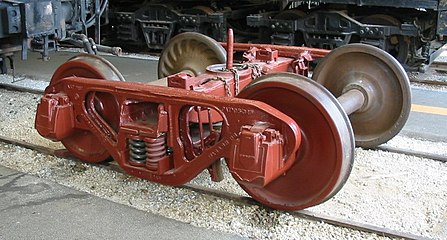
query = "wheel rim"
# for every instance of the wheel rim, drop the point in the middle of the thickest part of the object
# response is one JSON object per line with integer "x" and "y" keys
{"x": 319, "y": 172}
{"x": 82, "y": 143}
{"x": 386, "y": 82}
{"x": 191, "y": 53}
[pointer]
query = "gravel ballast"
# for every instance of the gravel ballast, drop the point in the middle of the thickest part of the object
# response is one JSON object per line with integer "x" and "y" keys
{"x": 391, "y": 190}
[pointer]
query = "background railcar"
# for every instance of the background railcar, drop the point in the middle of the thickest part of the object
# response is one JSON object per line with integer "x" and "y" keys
{"x": 409, "y": 30}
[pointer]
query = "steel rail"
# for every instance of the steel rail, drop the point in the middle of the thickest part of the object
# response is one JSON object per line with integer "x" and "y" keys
{"x": 305, "y": 214}
{"x": 18, "y": 88}
{"x": 409, "y": 152}
{"x": 428, "y": 82}
{"x": 439, "y": 66}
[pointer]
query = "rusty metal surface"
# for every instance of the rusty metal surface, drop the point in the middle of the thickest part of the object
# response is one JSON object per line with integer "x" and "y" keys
{"x": 383, "y": 82}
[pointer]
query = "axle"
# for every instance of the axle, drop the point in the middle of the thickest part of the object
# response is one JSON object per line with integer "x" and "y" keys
{"x": 353, "y": 100}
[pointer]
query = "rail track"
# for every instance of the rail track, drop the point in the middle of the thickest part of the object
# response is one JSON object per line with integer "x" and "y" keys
{"x": 432, "y": 156}
{"x": 306, "y": 214}
{"x": 428, "y": 82}
{"x": 434, "y": 75}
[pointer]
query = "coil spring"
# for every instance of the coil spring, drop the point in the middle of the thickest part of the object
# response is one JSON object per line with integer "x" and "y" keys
{"x": 137, "y": 151}
{"x": 155, "y": 150}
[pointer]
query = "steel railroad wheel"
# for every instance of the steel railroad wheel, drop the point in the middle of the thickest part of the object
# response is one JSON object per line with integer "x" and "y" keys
{"x": 82, "y": 143}
{"x": 326, "y": 153}
{"x": 190, "y": 52}
{"x": 382, "y": 79}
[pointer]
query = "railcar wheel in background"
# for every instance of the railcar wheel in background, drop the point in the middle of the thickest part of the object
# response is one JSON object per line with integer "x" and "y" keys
{"x": 191, "y": 53}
